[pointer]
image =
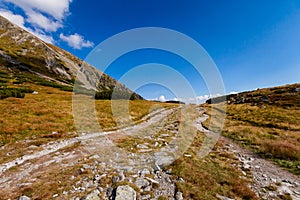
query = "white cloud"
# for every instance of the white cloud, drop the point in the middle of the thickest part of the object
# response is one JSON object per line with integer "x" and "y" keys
{"x": 19, "y": 21}
{"x": 39, "y": 20}
{"x": 161, "y": 98}
{"x": 58, "y": 9}
{"x": 76, "y": 41}
{"x": 46, "y": 14}
{"x": 233, "y": 92}
{"x": 45, "y": 17}
{"x": 201, "y": 99}
{"x": 16, "y": 19}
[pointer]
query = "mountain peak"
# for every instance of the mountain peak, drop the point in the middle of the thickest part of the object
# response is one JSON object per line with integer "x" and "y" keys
{"x": 21, "y": 51}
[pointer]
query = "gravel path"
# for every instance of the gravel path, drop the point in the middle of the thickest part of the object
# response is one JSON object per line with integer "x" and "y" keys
{"x": 269, "y": 180}
{"x": 50, "y": 152}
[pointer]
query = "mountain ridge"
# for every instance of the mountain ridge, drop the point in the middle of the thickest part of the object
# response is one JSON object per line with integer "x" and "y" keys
{"x": 21, "y": 52}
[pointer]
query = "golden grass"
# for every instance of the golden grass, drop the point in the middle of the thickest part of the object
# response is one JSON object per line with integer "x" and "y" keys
{"x": 31, "y": 121}
{"x": 212, "y": 175}
{"x": 271, "y": 131}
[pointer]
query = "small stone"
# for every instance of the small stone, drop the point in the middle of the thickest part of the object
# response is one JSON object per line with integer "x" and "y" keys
{"x": 54, "y": 196}
{"x": 168, "y": 179}
{"x": 109, "y": 191}
{"x": 85, "y": 166}
{"x": 223, "y": 197}
{"x": 121, "y": 176}
{"x": 178, "y": 196}
{"x": 143, "y": 172}
{"x": 264, "y": 175}
{"x": 273, "y": 180}
{"x": 144, "y": 197}
{"x": 246, "y": 166}
{"x": 100, "y": 189}
{"x": 125, "y": 192}
{"x": 152, "y": 180}
{"x": 115, "y": 179}
{"x": 141, "y": 183}
{"x": 156, "y": 167}
{"x": 97, "y": 157}
{"x": 24, "y": 198}
{"x": 164, "y": 135}
{"x": 142, "y": 146}
{"x": 187, "y": 155}
{"x": 180, "y": 179}
{"x": 88, "y": 184}
{"x": 147, "y": 189}
{"x": 169, "y": 171}
{"x": 92, "y": 196}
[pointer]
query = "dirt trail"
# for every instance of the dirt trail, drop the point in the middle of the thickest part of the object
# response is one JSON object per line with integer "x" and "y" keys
{"x": 269, "y": 180}
{"x": 51, "y": 155}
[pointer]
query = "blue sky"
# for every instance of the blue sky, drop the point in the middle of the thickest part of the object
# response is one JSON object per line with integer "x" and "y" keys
{"x": 254, "y": 44}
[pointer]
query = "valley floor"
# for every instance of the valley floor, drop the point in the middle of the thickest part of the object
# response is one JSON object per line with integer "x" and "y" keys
{"x": 157, "y": 158}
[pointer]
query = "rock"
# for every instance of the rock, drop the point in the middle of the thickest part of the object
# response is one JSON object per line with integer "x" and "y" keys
{"x": 35, "y": 92}
{"x": 125, "y": 192}
{"x": 147, "y": 189}
{"x": 156, "y": 167}
{"x": 163, "y": 159}
{"x": 223, "y": 198}
{"x": 88, "y": 184}
{"x": 164, "y": 135}
{"x": 85, "y": 166}
{"x": 24, "y": 198}
{"x": 141, "y": 183}
{"x": 144, "y": 197}
{"x": 92, "y": 196}
{"x": 180, "y": 179}
{"x": 96, "y": 157}
{"x": 115, "y": 179}
{"x": 152, "y": 180}
{"x": 178, "y": 196}
{"x": 143, "y": 172}
{"x": 142, "y": 146}
{"x": 54, "y": 196}
{"x": 109, "y": 191}
{"x": 246, "y": 166}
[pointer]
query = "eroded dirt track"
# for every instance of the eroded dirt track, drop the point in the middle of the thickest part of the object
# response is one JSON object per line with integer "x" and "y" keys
{"x": 140, "y": 165}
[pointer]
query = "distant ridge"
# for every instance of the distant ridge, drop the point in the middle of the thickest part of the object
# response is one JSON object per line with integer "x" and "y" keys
{"x": 286, "y": 96}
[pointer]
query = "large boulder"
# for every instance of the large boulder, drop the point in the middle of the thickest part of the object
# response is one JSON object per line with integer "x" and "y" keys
{"x": 92, "y": 196}
{"x": 125, "y": 192}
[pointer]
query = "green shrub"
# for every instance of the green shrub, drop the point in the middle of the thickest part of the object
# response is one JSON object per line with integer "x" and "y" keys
{"x": 14, "y": 92}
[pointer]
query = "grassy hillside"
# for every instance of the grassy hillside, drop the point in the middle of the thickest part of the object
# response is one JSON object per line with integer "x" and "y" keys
{"x": 267, "y": 122}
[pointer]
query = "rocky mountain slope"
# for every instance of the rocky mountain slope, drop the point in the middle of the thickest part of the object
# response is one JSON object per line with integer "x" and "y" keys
{"x": 22, "y": 52}
{"x": 284, "y": 96}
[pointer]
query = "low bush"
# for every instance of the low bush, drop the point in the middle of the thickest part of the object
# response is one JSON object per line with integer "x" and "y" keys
{"x": 14, "y": 92}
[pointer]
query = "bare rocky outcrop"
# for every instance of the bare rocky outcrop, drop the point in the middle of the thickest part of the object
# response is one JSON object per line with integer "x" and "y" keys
{"x": 23, "y": 52}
